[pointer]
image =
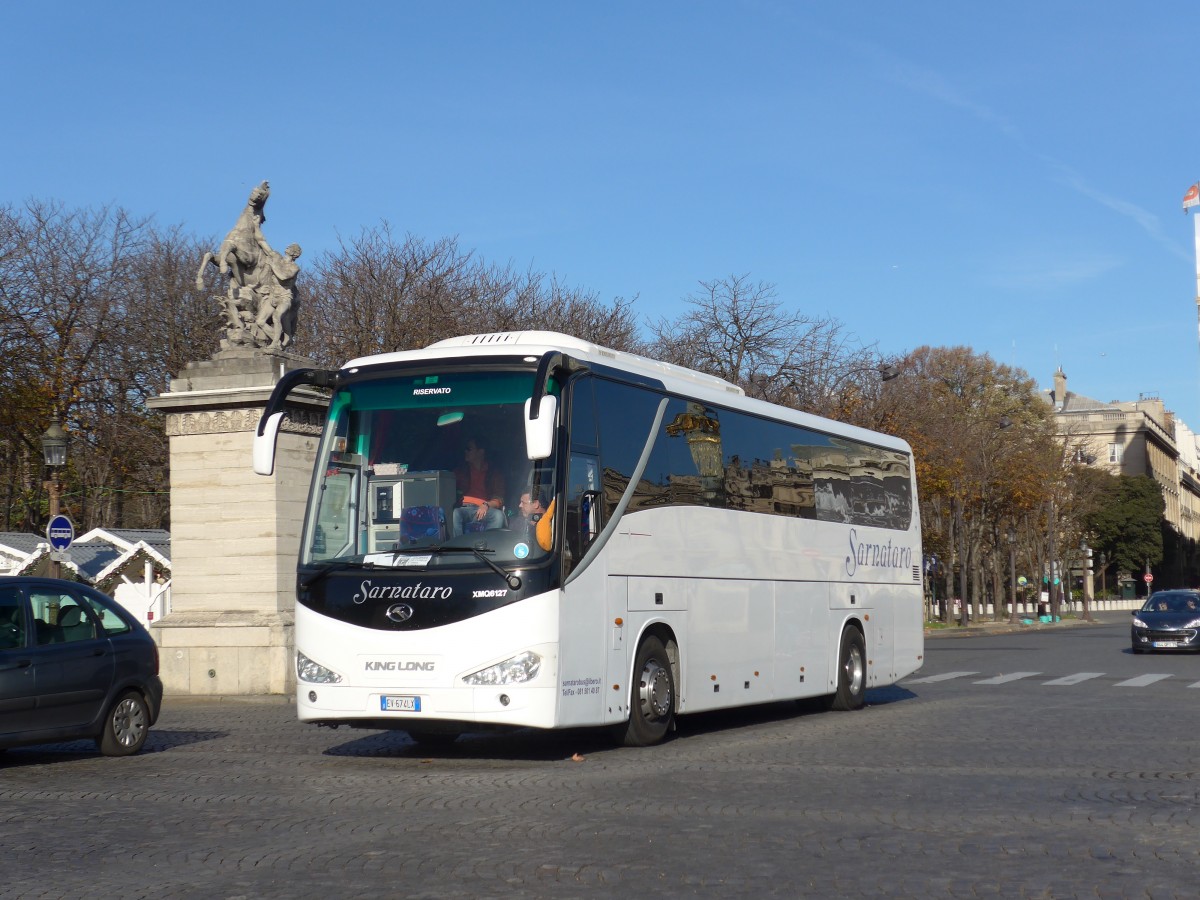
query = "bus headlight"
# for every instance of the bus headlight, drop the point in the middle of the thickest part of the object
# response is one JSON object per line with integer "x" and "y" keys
{"x": 314, "y": 673}
{"x": 515, "y": 670}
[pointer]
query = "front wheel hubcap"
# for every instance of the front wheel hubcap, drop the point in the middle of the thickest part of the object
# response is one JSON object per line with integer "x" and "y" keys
{"x": 654, "y": 691}
{"x": 855, "y": 670}
{"x": 128, "y": 723}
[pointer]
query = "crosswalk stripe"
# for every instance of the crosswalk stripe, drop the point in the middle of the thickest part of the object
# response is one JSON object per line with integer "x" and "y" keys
{"x": 1074, "y": 679}
{"x": 1005, "y": 679}
{"x": 945, "y": 676}
{"x": 1141, "y": 681}
{"x": 1067, "y": 680}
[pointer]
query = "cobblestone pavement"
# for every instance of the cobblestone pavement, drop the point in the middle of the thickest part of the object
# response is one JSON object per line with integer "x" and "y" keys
{"x": 926, "y": 793}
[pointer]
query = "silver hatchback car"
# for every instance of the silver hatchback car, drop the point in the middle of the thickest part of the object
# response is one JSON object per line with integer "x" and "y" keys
{"x": 74, "y": 664}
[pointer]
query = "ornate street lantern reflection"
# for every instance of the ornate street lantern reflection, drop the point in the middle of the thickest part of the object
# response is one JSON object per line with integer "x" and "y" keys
{"x": 703, "y": 436}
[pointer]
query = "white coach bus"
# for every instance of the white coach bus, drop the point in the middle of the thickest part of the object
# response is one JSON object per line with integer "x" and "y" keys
{"x": 527, "y": 529}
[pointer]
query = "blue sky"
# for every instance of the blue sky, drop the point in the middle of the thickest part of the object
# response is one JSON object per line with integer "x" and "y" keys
{"x": 1006, "y": 177}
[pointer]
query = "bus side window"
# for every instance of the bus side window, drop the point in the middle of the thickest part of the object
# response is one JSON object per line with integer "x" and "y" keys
{"x": 583, "y": 503}
{"x": 584, "y": 436}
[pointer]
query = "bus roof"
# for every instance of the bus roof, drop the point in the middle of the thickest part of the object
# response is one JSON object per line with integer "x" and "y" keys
{"x": 535, "y": 343}
{"x": 676, "y": 378}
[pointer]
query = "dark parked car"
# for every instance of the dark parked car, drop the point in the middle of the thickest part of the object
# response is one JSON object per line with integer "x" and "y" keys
{"x": 1168, "y": 620}
{"x": 74, "y": 664}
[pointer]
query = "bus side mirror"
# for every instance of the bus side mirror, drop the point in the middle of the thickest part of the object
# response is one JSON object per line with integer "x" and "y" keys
{"x": 539, "y": 431}
{"x": 264, "y": 444}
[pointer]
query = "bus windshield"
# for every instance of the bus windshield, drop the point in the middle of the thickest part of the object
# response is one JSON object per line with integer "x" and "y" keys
{"x": 414, "y": 466}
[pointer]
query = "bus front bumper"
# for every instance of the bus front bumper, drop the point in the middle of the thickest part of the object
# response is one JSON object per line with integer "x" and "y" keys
{"x": 409, "y": 707}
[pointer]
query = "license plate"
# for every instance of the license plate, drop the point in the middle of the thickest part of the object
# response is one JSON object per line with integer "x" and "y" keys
{"x": 1166, "y": 644}
{"x": 400, "y": 704}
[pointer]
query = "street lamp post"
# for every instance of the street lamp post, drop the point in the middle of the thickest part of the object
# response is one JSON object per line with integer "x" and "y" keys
{"x": 1012, "y": 574}
{"x": 1088, "y": 584}
{"x": 1052, "y": 581}
{"x": 959, "y": 561}
{"x": 1103, "y": 573}
{"x": 54, "y": 453}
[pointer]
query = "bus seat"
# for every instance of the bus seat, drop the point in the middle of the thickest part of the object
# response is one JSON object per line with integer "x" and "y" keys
{"x": 421, "y": 523}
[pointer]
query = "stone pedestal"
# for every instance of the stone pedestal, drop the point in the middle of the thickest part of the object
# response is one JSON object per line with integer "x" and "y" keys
{"x": 235, "y": 535}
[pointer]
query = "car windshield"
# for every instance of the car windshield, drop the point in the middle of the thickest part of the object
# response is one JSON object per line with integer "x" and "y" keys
{"x": 416, "y": 465}
{"x": 1173, "y": 603}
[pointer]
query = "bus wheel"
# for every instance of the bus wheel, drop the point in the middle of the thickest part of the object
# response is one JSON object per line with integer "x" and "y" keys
{"x": 652, "y": 696}
{"x": 852, "y": 671}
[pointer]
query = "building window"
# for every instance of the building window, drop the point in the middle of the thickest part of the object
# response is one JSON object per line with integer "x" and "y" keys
{"x": 1116, "y": 453}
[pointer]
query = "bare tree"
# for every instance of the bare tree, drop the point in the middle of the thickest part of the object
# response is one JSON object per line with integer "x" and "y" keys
{"x": 90, "y": 310}
{"x": 64, "y": 274}
{"x": 378, "y": 294}
{"x": 574, "y": 311}
{"x": 738, "y": 330}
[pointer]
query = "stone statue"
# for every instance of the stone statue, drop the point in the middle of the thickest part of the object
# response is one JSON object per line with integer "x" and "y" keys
{"x": 260, "y": 298}
{"x": 276, "y": 319}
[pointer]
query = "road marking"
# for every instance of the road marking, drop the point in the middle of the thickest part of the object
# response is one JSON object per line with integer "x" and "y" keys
{"x": 1005, "y": 679}
{"x": 1074, "y": 679}
{"x": 946, "y": 676}
{"x": 1067, "y": 681}
{"x": 1196, "y": 685}
{"x": 1141, "y": 681}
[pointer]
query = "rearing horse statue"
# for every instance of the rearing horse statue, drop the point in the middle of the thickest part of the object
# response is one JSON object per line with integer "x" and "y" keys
{"x": 241, "y": 258}
{"x": 239, "y": 255}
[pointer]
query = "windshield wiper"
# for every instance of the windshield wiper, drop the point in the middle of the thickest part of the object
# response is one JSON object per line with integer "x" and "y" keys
{"x": 337, "y": 566}
{"x": 513, "y": 581}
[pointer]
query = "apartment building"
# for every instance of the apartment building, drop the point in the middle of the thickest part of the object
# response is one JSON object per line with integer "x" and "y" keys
{"x": 1137, "y": 437}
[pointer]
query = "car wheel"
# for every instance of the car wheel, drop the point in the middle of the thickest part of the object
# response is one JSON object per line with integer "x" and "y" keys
{"x": 126, "y": 726}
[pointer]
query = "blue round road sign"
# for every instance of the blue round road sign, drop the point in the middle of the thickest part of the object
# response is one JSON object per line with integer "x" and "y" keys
{"x": 60, "y": 532}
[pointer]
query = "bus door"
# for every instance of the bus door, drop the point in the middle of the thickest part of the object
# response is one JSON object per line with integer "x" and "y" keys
{"x": 617, "y": 645}
{"x": 582, "y": 521}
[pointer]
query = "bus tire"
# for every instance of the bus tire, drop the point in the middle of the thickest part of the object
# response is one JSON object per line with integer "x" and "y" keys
{"x": 652, "y": 695}
{"x": 852, "y": 671}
